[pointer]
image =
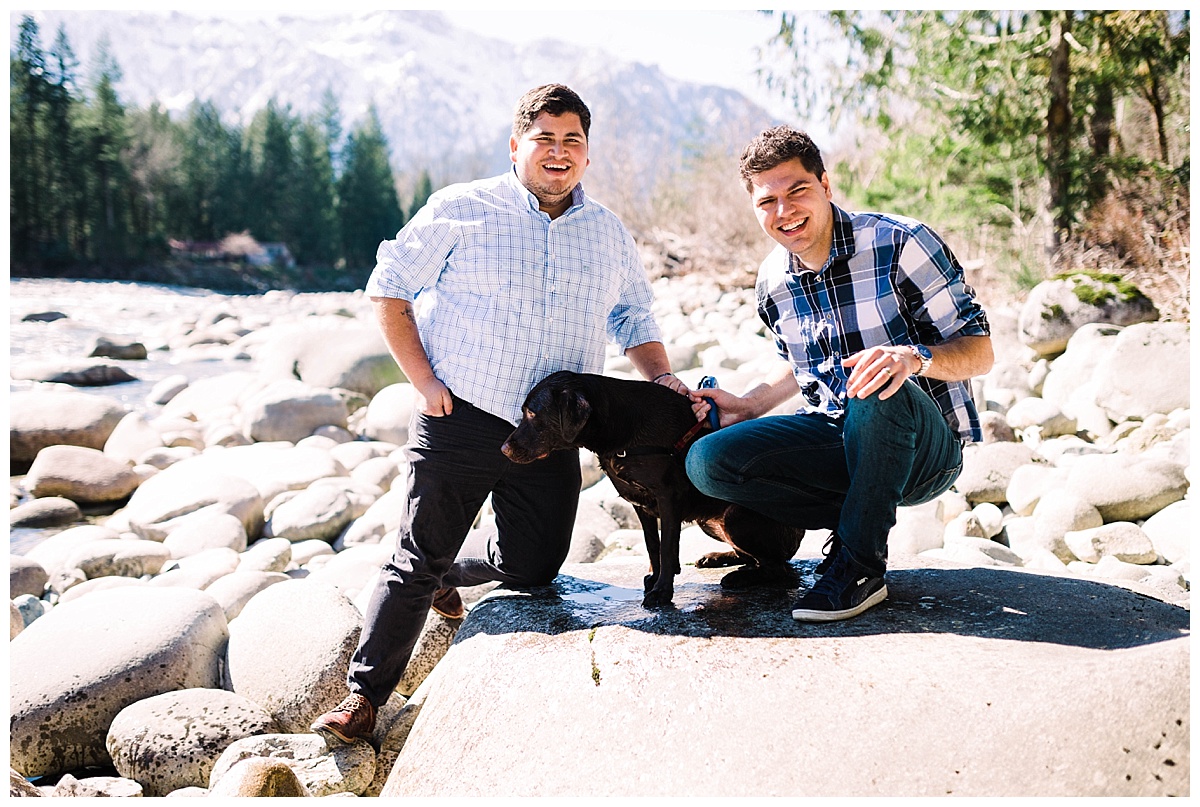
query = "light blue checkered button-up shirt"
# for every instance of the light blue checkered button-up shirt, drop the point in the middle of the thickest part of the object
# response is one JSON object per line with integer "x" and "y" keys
{"x": 889, "y": 280}
{"x": 504, "y": 295}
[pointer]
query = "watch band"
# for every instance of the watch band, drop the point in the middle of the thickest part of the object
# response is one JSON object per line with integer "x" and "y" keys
{"x": 924, "y": 356}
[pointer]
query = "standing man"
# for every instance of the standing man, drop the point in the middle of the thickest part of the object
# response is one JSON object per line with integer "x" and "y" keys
{"x": 492, "y": 286}
{"x": 878, "y": 332}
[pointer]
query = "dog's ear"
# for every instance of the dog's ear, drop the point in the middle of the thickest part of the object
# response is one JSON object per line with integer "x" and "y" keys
{"x": 576, "y": 411}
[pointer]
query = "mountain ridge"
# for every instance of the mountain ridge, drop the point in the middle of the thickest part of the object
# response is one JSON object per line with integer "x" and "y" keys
{"x": 444, "y": 95}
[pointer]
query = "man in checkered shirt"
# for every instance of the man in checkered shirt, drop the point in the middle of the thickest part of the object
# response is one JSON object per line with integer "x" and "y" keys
{"x": 492, "y": 286}
{"x": 878, "y": 333}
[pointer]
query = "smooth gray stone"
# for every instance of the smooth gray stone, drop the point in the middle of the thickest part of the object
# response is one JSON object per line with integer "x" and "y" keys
{"x": 966, "y": 681}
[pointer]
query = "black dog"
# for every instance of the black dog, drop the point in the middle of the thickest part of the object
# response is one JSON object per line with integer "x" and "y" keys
{"x": 640, "y": 431}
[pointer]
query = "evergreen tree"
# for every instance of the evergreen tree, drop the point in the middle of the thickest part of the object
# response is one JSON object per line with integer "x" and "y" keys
{"x": 368, "y": 207}
{"x": 421, "y": 194}
{"x": 104, "y": 139}
{"x": 27, "y": 102}
{"x": 315, "y": 228}
{"x": 272, "y": 167}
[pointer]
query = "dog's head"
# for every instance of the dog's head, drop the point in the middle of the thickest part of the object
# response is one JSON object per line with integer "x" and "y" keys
{"x": 553, "y": 415}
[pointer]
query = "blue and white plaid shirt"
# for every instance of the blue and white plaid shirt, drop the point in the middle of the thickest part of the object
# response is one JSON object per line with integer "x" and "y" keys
{"x": 504, "y": 295}
{"x": 888, "y": 281}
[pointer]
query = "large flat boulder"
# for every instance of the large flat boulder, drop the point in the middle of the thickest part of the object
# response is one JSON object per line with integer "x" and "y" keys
{"x": 73, "y": 670}
{"x": 966, "y": 681}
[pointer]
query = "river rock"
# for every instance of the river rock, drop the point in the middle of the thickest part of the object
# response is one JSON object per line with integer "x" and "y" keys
{"x": 38, "y": 419}
{"x": 1121, "y": 540}
{"x": 1076, "y": 367}
{"x": 53, "y": 552}
{"x": 351, "y": 455}
{"x": 266, "y": 555}
{"x": 1126, "y": 487}
{"x": 988, "y": 469}
{"x": 320, "y": 512}
{"x": 1057, "y": 513}
{"x": 173, "y": 740}
{"x": 289, "y": 410}
{"x": 78, "y": 666}
{"x": 43, "y": 316}
{"x": 25, "y": 576}
{"x": 331, "y": 353}
{"x": 165, "y": 457}
{"x": 93, "y": 787}
{"x": 133, "y": 437}
{"x": 206, "y": 531}
{"x": 162, "y": 392}
{"x": 271, "y": 467}
{"x": 234, "y": 590}
{"x": 118, "y": 557}
{"x": 995, "y": 428}
{"x": 711, "y": 673}
{"x": 69, "y": 591}
{"x": 322, "y": 769}
{"x": 199, "y": 571}
{"x": 353, "y": 569}
{"x": 110, "y": 347}
{"x": 83, "y": 475}
{"x": 75, "y": 373}
{"x": 30, "y": 608}
{"x": 593, "y": 525}
{"x": 1170, "y": 531}
{"x": 204, "y": 396}
{"x": 381, "y": 518}
{"x": 16, "y": 622}
{"x": 52, "y": 511}
{"x": 917, "y": 529}
{"x": 289, "y": 650}
{"x": 1040, "y": 414}
{"x": 1147, "y": 371}
{"x": 188, "y": 489}
{"x": 389, "y": 413}
{"x": 19, "y": 786}
{"x": 378, "y": 471}
{"x": 1055, "y": 309}
{"x": 259, "y": 777}
{"x": 1029, "y": 483}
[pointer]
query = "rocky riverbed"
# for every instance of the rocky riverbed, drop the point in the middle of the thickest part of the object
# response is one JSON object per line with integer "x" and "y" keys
{"x": 191, "y": 549}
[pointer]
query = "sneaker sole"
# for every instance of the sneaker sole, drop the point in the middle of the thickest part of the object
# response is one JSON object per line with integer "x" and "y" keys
{"x": 329, "y": 734}
{"x": 806, "y": 615}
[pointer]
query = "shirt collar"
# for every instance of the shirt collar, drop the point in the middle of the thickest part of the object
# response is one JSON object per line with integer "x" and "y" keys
{"x": 841, "y": 245}
{"x": 578, "y": 197}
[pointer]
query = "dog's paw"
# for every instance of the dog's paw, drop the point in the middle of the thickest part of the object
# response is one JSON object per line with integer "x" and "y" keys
{"x": 658, "y": 598}
{"x": 717, "y": 560}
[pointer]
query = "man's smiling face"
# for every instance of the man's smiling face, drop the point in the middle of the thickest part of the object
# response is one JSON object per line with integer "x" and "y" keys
{"x": 794, "y": 207}
{"x": 550, "y": 158}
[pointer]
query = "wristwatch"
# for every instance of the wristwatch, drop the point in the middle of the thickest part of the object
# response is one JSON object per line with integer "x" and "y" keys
{"x": 923, "y": 353}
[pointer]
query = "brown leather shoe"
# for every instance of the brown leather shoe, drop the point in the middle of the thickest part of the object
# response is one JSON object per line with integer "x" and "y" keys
{"x": 448, "y": 602}
{"x": 353, "y": 718}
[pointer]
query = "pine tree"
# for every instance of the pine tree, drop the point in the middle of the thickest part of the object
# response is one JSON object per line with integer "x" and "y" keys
{"x": 368, "y": 207}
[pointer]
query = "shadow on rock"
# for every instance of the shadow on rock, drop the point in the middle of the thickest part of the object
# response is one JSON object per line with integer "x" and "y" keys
{"x": 986, "y": 603}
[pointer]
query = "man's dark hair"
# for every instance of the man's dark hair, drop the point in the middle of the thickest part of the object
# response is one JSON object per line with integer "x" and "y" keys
{"x": 553, "y": 99}
{"x": 775, "y": 146}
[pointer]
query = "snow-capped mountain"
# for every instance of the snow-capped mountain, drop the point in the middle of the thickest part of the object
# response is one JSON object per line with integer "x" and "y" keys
{"x": 444, "y": 95}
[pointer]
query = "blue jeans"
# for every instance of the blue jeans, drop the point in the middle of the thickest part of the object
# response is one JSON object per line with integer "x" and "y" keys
{"x": 847, "y": 474}
{"x": 454, "y": 463}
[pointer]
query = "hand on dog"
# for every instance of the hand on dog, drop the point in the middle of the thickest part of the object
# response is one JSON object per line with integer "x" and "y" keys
{"x": 699, "y": 405}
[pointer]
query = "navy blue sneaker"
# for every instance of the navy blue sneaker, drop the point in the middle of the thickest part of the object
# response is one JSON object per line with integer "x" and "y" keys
{"x": 833, "y": 545}
{"x": 846, "y": 590}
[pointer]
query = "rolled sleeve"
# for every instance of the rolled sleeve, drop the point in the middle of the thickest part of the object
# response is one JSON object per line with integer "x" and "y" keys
{"x": 941, "y": 302}
{"x": 631, "y": 321}
{"x": 412, "y": 261}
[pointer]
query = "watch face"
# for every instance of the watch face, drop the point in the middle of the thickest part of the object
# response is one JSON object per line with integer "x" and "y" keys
{"x": 925, "y": 352}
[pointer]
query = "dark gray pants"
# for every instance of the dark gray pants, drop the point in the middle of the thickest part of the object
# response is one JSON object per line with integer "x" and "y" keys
{"x": 455, "y": 462}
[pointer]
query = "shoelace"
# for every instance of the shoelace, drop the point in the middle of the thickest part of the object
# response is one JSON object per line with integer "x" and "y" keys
{"x": 831, "y": 581}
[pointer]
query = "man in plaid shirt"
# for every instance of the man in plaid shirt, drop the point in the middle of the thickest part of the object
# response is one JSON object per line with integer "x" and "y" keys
{"x": 878, "y": 333}
{"x": 492, "y": 286}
